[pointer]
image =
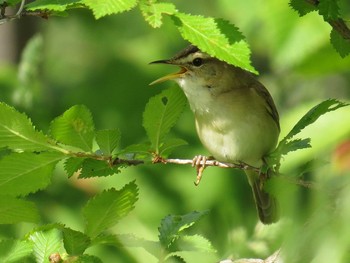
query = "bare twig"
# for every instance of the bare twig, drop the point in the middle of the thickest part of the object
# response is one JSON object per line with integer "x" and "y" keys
{"x": 242, "y": 166}
{"x": 20, "y": 9}
{"x": 9, "y": 18}
{"x": 199, "y": 163}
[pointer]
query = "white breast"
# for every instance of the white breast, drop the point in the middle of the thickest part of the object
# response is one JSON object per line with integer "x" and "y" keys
{"x": 231, "y": 125}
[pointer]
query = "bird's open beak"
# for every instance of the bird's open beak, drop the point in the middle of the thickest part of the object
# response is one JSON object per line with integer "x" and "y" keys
{"x": 169, "y": 76}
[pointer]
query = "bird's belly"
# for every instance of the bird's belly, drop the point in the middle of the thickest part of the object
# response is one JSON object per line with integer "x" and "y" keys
{"x": 235, "y": 140}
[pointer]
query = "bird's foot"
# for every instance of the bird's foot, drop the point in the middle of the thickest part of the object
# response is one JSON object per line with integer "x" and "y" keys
{"x": 199, "y": 162}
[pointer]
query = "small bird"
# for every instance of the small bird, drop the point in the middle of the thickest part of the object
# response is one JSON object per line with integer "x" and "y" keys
{"x": 235, "y": 116}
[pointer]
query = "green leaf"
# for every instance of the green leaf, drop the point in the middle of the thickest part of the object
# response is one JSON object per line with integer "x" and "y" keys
{"x": 153, "y": 12}
{"x": 75, "y": 242}
{"x": 28, "y": 90}
{"x": 312, "y": 115}
{"x": 161, "y": 113}
{"x": 108, "y": 140}
{"x": 137, "y": 151}
{"x": 87, "y": 259}
{"x": 56, "y": 5}
{"x": 329, "y": 9}
{"x": 96, "y": 168}
{"x": 18, "y": 133}
{"x": 46, "y": 243}
{"x": 216, "y": 37}
{"x": 72, "y": 165}
{"x": 24, "y": 173}
{"x": 172, "y": 225}
{"x": 294, "y": 145}
{"x": 75, "y": 127}
{"x": 102, "y": 8}
{"x": 194, "y": 243}
{"x": 13, "y": 211}
{"x": 10, "y": 2}
{"x": 302, "y": 7}
{"x": 14, "y": 250}
{"x": 341, "y": 45}
{"x": 106, "y": 209}
{"x": 287, "y": 145}
{"x": 128, "y": 240}
{"x": 169, "y": 145}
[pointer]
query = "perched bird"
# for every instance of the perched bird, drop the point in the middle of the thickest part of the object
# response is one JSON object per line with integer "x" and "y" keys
{"x": 236, "y": 118}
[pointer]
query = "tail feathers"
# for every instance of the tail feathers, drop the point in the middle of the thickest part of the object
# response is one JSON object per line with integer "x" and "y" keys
{"x": 266, "y": 204}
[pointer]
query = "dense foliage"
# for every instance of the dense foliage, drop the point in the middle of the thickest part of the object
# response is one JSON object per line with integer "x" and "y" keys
{"x": 47, "y": 212}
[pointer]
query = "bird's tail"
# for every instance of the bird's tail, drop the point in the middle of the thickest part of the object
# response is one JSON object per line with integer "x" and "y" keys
{"x": 266, "y": 204}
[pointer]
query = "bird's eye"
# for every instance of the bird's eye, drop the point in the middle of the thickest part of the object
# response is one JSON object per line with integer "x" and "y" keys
{"x": 197, "y": 62}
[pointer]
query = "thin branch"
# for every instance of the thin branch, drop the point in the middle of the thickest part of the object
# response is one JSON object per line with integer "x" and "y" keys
{"x": 242, "y": 166}
{"x": 19, "y": 12}
{"x": 199, "y": 163}
{"x": 10, "y": 18}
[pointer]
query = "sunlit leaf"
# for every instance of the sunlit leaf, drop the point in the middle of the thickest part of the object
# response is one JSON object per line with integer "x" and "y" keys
{"x": 24, "y": 173}
{"x": 216, "y": 37}
{"x": 106, "y": 209}
{"x": 161, "y": 113}
{"x": 172, "y": 225}
{"x": 102, "y": 8}
{"x": 153, "y": 12}
{"x": 46, "y": 243}
{"x": 13, "y": 210}
{"x": 18, "y": 133}
{"x": 74, "y": 127}
{"x": 57, "y": 5}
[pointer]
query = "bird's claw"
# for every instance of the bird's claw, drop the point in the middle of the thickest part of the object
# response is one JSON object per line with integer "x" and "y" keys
{"x": 199, "y": 162}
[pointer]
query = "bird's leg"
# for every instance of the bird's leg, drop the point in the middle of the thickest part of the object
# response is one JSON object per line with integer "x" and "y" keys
{"x": 199, "y": 162}
{"x": 264, "y": 172}
{"x": 196, "y": 162}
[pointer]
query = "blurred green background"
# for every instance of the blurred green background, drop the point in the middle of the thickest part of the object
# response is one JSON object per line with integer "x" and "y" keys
{"x": 103, "y": 64}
